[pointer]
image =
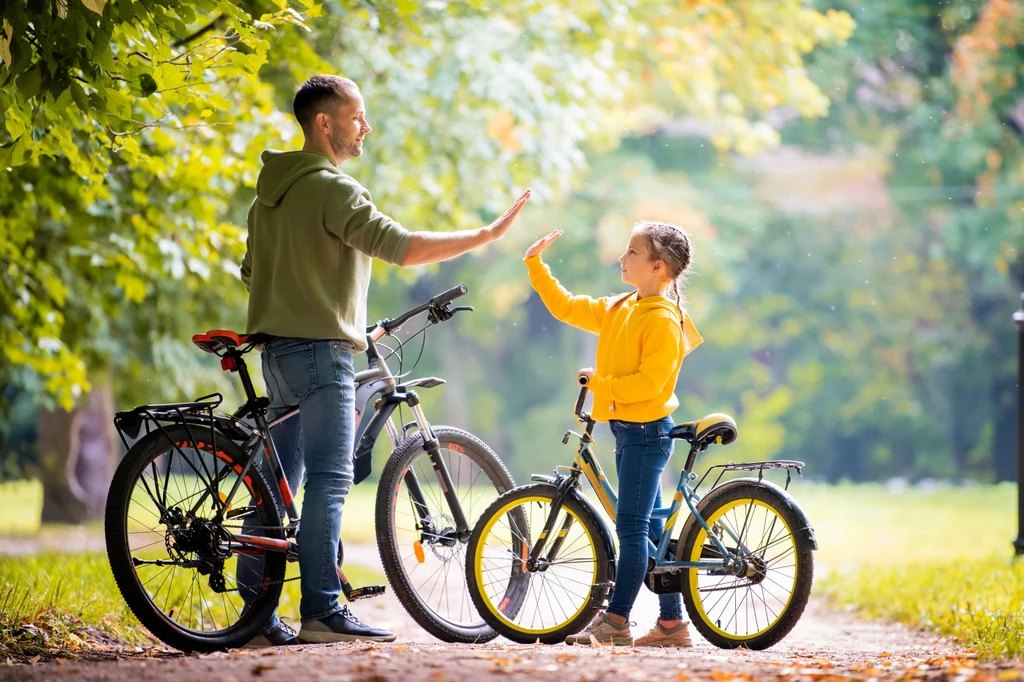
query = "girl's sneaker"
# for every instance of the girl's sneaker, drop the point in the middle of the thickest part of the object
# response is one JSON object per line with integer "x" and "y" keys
{"x": 679, "y": 636}
{"x": 604, "y": 631}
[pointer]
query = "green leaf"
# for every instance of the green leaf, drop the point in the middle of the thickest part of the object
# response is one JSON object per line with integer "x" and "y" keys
{"x": 126, "y": 10}
{"x": 78, "y": 94}
{"x": 119, "y": 105}
{"x": 147, "y": 84}
{"x": 5, "y": 44}
{"x": 6, "y": 154}
{"x": 29, "y": 82}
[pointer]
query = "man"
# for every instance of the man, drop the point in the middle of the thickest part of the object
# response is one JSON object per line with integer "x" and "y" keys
{"x": 313, "y": 232}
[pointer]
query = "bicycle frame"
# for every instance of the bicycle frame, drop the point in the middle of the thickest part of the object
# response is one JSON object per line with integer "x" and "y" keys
{"x": 586, "y": 464}
{"x": 374, "y": 381}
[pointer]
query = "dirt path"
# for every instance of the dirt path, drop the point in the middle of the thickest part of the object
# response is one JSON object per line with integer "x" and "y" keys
{"x": 824, "y": 645}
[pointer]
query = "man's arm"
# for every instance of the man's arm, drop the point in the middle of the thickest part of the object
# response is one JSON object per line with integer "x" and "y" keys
{"x": 246, "y": 269}
{"x": 434, "y": 247}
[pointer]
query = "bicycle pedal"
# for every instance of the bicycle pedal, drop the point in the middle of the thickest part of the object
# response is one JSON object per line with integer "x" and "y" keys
{"x": 366, "y": 592}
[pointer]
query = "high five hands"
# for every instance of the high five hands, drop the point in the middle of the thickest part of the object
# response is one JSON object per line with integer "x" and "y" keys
{"x": 542, "y": 243}
{"x": 500, "y": 226}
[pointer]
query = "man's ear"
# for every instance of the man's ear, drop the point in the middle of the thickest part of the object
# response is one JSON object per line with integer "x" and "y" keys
{"x": 323, "y": 124}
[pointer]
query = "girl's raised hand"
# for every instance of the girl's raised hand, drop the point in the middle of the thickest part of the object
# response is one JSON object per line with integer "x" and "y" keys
{"x": 542, "y": 243}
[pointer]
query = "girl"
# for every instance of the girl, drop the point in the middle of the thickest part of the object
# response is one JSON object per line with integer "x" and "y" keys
{"x": 642, "y": 339}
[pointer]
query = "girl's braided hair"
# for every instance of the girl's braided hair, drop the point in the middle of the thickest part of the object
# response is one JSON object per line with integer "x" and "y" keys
{"x": 670, "y": 244}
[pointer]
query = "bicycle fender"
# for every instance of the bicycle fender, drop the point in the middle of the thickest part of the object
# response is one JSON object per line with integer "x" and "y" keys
{"x": 787, "y": 499}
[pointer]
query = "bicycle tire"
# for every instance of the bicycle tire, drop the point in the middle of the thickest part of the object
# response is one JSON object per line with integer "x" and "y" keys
{"x": 781, "y": 542}
{"x": 389, "y": 491}
{"x": 121, "y": 508}
{"x": 501, "y": 609}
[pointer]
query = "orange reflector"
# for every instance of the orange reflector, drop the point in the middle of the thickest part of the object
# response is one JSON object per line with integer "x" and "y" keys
{"x": 223, "y": 499}
{"x": 417, "y": 548}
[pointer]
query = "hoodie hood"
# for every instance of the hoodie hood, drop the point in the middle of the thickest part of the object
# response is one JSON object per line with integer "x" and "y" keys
{"x": 281, "y": 170}
{"x": 691, "y": 337}
{"x": 650, "y": 303}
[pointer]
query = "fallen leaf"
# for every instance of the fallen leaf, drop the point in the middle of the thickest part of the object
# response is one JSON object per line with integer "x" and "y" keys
{"x": 885, "y": 654}
{"x": 261, "y": 668}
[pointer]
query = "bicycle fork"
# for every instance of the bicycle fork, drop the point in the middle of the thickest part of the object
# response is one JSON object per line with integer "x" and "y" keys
{"x": 428, "y": 525}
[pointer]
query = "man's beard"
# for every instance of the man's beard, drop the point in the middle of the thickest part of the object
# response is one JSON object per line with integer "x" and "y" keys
{"x": 344, "y": 147}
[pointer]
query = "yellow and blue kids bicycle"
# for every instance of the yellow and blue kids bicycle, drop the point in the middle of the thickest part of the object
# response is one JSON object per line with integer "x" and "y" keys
{"x": 541, "y": 560}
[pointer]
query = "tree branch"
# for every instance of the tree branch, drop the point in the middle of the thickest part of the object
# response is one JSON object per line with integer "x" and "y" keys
{"x": 200, "y": 32}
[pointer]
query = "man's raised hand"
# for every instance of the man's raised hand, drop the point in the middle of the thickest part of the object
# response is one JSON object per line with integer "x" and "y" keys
{"x": 500, "y": 226}
{"x": 542, "y": 244}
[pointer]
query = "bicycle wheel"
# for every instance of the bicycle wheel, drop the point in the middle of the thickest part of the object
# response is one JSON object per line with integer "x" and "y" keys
{"x": 757, "y": 609}
{"x": 172, "y": 561}
{"x": 422, "y": 551}
{"x": 554, "y": 598}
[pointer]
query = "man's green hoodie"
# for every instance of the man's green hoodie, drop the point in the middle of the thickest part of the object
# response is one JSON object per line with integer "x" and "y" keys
{"x": 313, "y": 232}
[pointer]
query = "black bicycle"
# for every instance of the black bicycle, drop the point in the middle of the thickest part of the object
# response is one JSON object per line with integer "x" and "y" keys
{"x": 189, "y": 502}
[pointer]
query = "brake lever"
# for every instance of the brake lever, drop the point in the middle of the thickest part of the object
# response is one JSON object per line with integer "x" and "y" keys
{"x": 460, "y": 308}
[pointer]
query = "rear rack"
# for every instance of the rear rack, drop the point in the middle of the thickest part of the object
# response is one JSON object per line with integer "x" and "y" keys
{"x": 198, "y": 417}
{"x": 788, "y": 464}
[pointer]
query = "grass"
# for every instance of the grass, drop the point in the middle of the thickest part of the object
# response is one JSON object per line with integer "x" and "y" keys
{"x": 65, "y": 604}
{"x": 938, "y": 559}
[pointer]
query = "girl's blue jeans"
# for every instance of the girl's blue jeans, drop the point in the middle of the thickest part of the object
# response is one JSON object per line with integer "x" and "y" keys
{"x": 642, "y": 451}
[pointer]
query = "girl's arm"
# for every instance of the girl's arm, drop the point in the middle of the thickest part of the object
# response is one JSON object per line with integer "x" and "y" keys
{"x": 579, "y": 311}
{"x": 662, "y": 351}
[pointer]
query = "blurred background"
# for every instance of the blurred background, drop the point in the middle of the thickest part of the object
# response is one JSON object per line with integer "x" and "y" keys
{"x": 851, "y": 177}
{"x": 851, "y": 174}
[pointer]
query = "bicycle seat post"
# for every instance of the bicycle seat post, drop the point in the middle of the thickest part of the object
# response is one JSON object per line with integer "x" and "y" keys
{"x": 233, "y": 361}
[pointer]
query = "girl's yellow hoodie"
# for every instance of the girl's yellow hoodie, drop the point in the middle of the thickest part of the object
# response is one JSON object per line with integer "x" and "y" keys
{"x": 640, "y": 346}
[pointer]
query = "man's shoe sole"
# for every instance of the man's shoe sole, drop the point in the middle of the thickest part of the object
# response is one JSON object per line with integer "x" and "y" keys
{"x": 307, "y": 637}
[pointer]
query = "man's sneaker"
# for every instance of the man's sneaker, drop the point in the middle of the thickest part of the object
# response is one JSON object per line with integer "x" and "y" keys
{"x": 604, "y": 631}
{"x": 679, "y": 636}
{"x": 281, "y": 634}
{"x": 342, "y": 627}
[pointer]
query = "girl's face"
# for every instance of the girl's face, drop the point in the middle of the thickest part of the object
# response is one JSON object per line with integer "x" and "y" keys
{"x": 638, "y": 269}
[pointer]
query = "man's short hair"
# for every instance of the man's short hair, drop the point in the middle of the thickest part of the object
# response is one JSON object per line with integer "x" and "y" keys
{"x": 320, "y": 93}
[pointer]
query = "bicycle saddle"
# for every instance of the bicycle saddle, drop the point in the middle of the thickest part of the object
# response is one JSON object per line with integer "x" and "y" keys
{"x": 714, "y": 428}
{"x": 218, "y": 341}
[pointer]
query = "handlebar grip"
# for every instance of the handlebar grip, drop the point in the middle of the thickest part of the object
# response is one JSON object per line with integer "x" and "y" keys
{"x": 450, "y": 295}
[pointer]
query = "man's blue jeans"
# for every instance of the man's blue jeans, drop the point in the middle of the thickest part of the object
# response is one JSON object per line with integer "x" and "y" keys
{"x": 318, "y": 377}
{"x": 642, "y": 451}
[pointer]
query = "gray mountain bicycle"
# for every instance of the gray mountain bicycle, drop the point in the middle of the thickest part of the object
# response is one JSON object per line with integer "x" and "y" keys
{"x": 190, "y": 500}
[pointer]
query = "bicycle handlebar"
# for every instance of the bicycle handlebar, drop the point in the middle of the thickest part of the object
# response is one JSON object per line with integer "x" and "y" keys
{"x": 438, "y": 301}
{"x": 582, "y": 399}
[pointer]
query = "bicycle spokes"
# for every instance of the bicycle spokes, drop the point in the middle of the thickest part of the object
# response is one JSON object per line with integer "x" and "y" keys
{"x": 535, "y": 595}
{"x": 183, "y": 555}
{"x": 747, "y": 601}
{"x": 431, "y": 545}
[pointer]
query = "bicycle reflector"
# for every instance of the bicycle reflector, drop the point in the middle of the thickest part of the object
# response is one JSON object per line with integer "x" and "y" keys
{"x": 227, "y": 364}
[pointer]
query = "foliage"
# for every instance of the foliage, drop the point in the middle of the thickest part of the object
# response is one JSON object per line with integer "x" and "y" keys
{"x": 132, "y": 126}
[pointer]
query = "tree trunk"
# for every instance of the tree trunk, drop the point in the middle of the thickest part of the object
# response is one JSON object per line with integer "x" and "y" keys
{"x": 77, "y": 455}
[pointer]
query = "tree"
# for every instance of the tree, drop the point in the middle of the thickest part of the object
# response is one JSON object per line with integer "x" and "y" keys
{"x": 133, "y": 127}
